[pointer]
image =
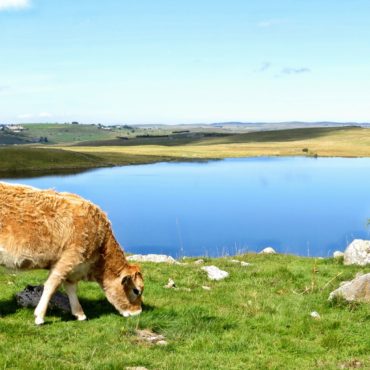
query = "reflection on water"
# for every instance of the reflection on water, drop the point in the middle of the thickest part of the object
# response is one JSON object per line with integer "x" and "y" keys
{"x": 297, "y": 205}
{"x": 40, "y": 173}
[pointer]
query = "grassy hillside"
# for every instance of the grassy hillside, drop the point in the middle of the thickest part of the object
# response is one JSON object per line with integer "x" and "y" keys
{"x": 66, "y": 133}
{"x": 21, "y": 161}
{"x": 341, "y": 142}
{"x": 75, "y": 133}
{"x": 258, "y": 318}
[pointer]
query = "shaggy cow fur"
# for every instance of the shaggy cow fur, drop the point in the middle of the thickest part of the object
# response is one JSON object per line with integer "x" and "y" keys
{"x": 72, "y": 238}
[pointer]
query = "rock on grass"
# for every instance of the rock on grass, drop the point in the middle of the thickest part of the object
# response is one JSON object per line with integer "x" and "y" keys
{"x": 214, "y": 273}
{"x": 356, "y": 290}
{"x": 357, "y": 253}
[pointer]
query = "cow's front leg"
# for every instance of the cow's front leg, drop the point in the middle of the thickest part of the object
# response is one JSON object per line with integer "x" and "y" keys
{"x": 50, "y": 286}
{"x": 71, "y": 290}
{"x": 57, "y": 275}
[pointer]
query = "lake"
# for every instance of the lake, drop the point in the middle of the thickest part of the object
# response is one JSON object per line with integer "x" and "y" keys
{"x": 297, "y": 205}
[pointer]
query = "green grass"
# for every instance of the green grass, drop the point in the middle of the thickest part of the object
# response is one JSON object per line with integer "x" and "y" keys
{"x": 325, "y": 142}
{"x": 258, "y": 318}
{"x": 66, "y": 133}
{"x": 27, "y": 160}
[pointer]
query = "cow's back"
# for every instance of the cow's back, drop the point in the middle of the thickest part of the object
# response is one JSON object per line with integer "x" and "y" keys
{"x": 38, "y": 226}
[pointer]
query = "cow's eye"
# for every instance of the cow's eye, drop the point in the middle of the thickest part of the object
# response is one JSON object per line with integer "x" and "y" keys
{"x": 136, "y": 291}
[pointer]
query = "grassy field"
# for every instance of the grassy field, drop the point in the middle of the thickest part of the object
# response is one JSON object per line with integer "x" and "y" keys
{"x": 69, "y": 133}
{"x": 325, "y": 142}
{"x": 61, "y": 133}
{"x": 77, "y": 155}
{"x": 25, "y": 160}
{"x": 258, "y": 318}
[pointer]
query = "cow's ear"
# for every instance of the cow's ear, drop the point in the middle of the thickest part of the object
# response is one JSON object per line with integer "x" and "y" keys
{"x": 126, "y": 279}
{"x": 138, "y": 274}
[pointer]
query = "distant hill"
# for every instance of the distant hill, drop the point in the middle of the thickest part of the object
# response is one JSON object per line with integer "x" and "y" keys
{"x": 284, "y": 125}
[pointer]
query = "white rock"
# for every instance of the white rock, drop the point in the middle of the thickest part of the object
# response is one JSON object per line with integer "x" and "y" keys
{"x": 357, "y": 253}
{"x": 315, "y": 315}
{"x": 338, "y": 254}
{"x": 199, "y": 262}
{"x": 157, "y": 258}
{"x": 357, "y": 289}
{"x": 214, "y": 273}
{"x": 205, "y": 287}
{"x": 242, "y": 263}
{"x": 268, "y": 250}
{"x": 170, "y": 284}
{"x": 162, "y": 343}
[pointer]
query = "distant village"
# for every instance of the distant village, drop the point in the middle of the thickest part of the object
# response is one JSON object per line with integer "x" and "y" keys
{"x": 14, "y": 127}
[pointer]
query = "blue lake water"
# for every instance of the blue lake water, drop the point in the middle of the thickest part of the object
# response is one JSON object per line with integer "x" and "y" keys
{"x": 297, "y": 205}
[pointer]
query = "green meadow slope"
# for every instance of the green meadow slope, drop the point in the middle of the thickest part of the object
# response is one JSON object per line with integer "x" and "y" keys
{"x": 100, "y": 148}
{"x": 257, "y": 318}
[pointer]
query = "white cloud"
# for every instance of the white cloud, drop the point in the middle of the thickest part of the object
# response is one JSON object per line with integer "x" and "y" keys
{"x": 32, "y": 115}
{"x": 25, "y": 115}
{"x": 14, "y": 4}
{"x": 264, "y": 66}
{"x": 45, "y": 114}
{"x": 290, "y": 70}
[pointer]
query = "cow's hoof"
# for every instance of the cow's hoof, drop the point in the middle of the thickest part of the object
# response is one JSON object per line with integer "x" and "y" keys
{"x": 81, "y": 317}
{"x": 39, "y": 321}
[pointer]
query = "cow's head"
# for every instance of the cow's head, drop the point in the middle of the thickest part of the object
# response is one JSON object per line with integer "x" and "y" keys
{"x": 125, "y": 291}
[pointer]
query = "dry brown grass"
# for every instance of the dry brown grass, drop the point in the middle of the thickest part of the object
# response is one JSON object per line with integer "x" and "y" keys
{"x": 347, "y": 142}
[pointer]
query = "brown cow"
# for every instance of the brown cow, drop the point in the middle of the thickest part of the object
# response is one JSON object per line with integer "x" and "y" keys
{"x": 72, "y": 238}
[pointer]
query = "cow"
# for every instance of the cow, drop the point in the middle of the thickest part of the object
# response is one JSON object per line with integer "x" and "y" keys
{"x": 73, "y": 239}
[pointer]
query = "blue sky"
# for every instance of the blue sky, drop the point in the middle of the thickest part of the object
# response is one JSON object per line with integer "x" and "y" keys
{"x": 163, "y": 61}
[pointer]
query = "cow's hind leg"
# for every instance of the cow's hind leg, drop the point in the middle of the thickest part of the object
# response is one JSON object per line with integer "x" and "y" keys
{"x": 71, "y": 290}
{"x": 57, "y": 275}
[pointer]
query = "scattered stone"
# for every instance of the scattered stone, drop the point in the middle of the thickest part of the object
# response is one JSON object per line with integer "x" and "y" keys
{"x": 242, "y": 263}
{"x": 31, "y": 295}
{"x": 357, "y": 253}
{"x": 205, "y": 287}
{"x": 157, "y": 258}
{"x": 357, "y": 289}
{"x": 199, "y": 262}
{"x": 214, "y": 273}
{"x": 338, "y": 254}
{"x": 268, "y": 250}
{"x": 136, "y": 368}
{"x": 315, "y": 315}
{"x": 351, "y": 364}
{"x": 162, "y": 343}
{"x": 170, "y": 284}
{"x": 148, "y": 336}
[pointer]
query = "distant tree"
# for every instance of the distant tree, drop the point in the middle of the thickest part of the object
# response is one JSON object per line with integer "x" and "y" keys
{"x": 74, "y": 123}
{"x": 43, "y": 139}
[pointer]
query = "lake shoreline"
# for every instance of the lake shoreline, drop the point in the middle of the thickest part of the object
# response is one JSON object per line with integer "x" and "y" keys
{"x": 70, "y": 170}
